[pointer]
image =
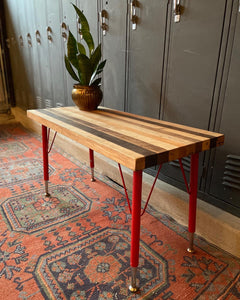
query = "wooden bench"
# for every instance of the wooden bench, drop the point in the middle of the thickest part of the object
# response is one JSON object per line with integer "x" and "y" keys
{"x": 134, "y": 141}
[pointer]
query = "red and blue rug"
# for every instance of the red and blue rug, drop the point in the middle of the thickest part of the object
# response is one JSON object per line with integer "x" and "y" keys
{"x": 76, "y": 243}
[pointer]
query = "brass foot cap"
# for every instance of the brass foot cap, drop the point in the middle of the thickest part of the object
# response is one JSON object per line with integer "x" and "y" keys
{"x": 92, "y": 179}
{"x": 190, "y": 250}
{"x": 133, "y": 289}
{"x": 47, "y": 195}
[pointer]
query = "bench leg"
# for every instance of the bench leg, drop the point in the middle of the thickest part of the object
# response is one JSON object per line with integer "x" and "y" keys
{"x": 91, "y": 159}
{"x": 135, "y": 234}
{"x": 193, "y": 200}
{"x": 45, "y": 158}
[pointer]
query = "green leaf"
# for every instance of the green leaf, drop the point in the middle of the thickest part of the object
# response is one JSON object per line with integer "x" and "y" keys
{"x": 72, "y": 50}
{"x": 85, "y": 69}
{"x": 85, "y": 29}
{"x": 83, "y": 20}
{"x": 96, "y": 56}
{"x": 98, "y": 70}
{"x": 96, "y": 82}
{"x": 70, "y": 69}
{"x": 89, "y": 40}
{"x": 81, "y": 48}
{"x": 100, "y": 67}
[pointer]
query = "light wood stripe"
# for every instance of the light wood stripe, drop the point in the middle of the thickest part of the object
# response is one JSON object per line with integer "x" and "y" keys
{"x": 126, "y": 142}
{"x": 134, "y": 141}
{"x": 144, "y": 131}
{"x": 180, "y": 128}
{"x": 136, "y": 135}
{"x": 171, "y": 135}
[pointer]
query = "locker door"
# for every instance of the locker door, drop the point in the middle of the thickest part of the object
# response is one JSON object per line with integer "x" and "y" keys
{"x": 146, "y": 49}
{"x": 69, "y": 22}
{"x": 43, "y": 53}
{"x": 192, "y": 64}
{"x": 16, "y": 43}
{"x": 11, "y": 42}
{"x": 56, "y": 52}
{"x": 114, "y": 50}
{"x": 33, "y": 64}
{"x": 225, "y": 181}
{"x": 90, "y": 10}
{"x": 26, "y": 37}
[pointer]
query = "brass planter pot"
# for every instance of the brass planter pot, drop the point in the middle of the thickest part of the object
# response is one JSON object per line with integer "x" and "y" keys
{"x": 86, "y": 97}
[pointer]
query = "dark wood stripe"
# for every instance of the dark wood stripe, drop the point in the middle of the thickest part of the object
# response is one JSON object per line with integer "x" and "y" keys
{"x": 79, "y": 124}
{"x": 135, "y": 117}
{"x": 198, "y": 147}
{"x": 159, "y": 130}
{"x": 121, "y": 136}
{"x": 153, "y": 159}
{"x": 213, "y": 142}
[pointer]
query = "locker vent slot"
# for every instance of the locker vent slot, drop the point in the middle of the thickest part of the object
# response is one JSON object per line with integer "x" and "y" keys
{"x": 232, "y": 172}
{"x": 48, "y": 103}
{"x": 39, "y": 102}
{"x": 186, "y": 161}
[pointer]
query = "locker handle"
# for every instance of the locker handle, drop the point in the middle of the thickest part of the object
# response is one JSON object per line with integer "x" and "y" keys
{"x": 21, "y": 40}
{"x": 103, "y": 18}
{"x": 29, "y": 39}
{"x": 49, "y": 34}
{"x": 134, "y": 5}
{"x": 177, "y": 10}
{"x": 13, "y": 40}
{"x": 38, "y": 37}
{"x": 8, "y": 43}
{"x": 64, "y": 31}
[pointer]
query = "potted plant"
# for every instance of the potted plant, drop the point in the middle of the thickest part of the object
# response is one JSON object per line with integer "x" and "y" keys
{"x": 84, "y": 67}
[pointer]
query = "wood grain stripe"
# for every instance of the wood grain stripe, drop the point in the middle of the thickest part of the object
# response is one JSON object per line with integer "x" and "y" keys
{"x": 122, "y": 137}
{"x": 133, "y": 132}
{"x": 104, "y": 134}
{"x": 156, "y": 133}
{"x": 134, "y": 141}
{"x": 139, "y": 118}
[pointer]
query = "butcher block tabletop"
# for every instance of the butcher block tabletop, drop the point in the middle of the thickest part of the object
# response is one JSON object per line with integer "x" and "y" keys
{"x": 134, "y": 141}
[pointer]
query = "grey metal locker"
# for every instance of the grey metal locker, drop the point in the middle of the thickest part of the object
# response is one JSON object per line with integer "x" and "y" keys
{"x": 225, "y": 180}
{"x": 16, "y": 44}
{"x": 147, "y": 27}
{"x": 25, "y": 41}
{"x": 56, "y": 53}
{"x": 69, "y": 22}
{"x": 192, "y": 64}
{"x": 41, "y": 39}
{"x": 114, "y": 50}
{"x": 33, "y": 64}
{"x": 11, "y": 43}
{"x": 90, "y": 10}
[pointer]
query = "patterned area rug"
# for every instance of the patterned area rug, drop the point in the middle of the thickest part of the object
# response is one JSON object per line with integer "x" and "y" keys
{"x": 76, "y": 244}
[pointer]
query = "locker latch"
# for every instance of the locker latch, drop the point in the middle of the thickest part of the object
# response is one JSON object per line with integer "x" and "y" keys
{"x": 103, "y": 19}
{"x": 177, "y": 8}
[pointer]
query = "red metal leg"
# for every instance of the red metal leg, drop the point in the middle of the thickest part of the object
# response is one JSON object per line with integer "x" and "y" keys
{"x": 136, "y": 216}
{"x": 45, "y": 158}
{"x": 193, "y": 199}
{"x": 91, "y": 158}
